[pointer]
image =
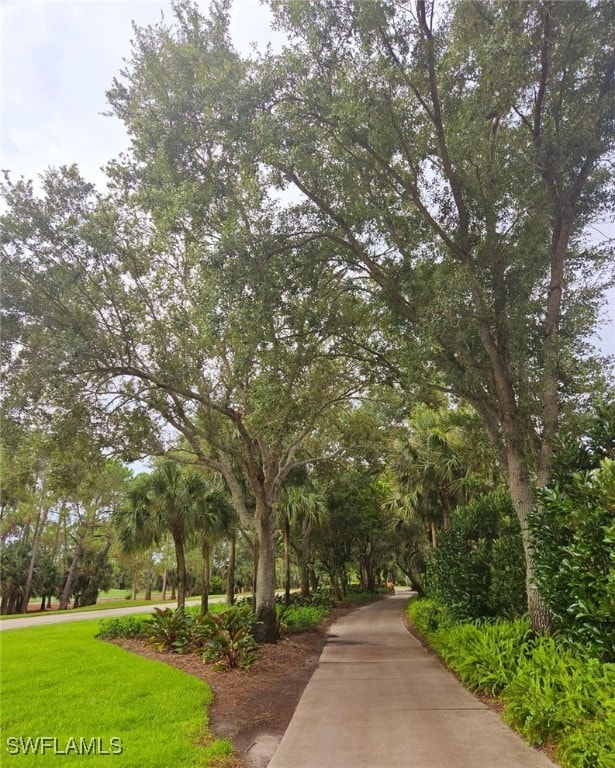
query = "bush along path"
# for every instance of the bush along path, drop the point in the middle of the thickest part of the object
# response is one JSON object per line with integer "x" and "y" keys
{"x": 551, "y": 692}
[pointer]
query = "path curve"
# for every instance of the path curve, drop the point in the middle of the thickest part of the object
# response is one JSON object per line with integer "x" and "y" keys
{"x": 379, "y": 699}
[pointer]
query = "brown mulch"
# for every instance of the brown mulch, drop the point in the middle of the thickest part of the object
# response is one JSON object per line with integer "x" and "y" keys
{"x": 253, "y": 707}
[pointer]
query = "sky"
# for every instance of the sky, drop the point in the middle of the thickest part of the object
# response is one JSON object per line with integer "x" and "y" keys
{"x": 59, "y": 57}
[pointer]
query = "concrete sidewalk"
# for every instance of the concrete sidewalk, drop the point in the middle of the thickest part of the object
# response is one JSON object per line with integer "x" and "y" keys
{"x": 378, "y": 699}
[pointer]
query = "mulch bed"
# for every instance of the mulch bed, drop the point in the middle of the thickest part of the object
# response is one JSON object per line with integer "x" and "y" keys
{"x": 250, "y": 703}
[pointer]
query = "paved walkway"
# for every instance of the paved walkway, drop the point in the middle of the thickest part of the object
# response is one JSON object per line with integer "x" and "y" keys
{"x": 378, "y": 699}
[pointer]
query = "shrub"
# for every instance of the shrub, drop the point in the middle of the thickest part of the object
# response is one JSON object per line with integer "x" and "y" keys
{"x": 591, "y": 745}
{"x": 170, "y": 630}
{"x": 478, "y": 568}
{"x": 556, "y": 692}
{"x": 123, "y": 626}
{"x": 574, "y": 538}
{"x": 231, "y": 638}
{"x": 323, "y": 598}
{"x": 429, "y": 615}
{"x": 320, "y": 599}
{"x": 300, "y": 618}
{"x": 485, "y": 656}
{"x": 357, "y": 596}
{"x": 551, "y": 691}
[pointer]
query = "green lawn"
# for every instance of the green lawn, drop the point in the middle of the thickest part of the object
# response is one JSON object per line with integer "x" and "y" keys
{"x": 62, "y": 683}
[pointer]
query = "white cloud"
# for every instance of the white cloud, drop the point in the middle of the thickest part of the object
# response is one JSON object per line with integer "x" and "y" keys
{"x": 58, "y": 60}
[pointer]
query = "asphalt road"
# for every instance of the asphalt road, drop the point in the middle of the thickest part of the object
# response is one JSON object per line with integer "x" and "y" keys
{"x": 59, "y": 618}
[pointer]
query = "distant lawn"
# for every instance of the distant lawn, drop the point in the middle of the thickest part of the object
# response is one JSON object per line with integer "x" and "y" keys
{"x": 116, "y": 593}
{"x": 60, "y": 682}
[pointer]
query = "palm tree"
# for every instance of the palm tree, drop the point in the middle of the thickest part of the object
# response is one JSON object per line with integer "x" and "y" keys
{"x": 215, "y": 519}
{"x": 171, "y": 498}
{"x": 301, "y": 505}
{"x": 430, "y": 464}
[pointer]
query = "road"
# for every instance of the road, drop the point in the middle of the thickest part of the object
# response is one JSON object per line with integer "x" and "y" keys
{"x": 37, "y": 620}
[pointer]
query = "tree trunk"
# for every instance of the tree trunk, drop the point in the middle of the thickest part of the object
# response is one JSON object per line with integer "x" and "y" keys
{"x": 148, "y": 579}
{"x": 432, "y": 531}
{"x": 72, "y": 573}
{"x": 314, "y": 578}
{"x": 230, "y": 576}
{"x": 335, "y": 586}
{"x": 180, "y": 556}
{"x": 164, "y": 583}
{"x": 38, "y": 532}
{"x": 205, "y": 580}
{"x": 265, "y": 614}
{"x": 371, "y": 576}
{"x": 523, "y": 502}
{"x": 135, "y": 582}
{"x": 286, "y": 560}
{"x": 304, "y": 570}
{"x": 255, "y": 558}
{"x": 446, "y": 507}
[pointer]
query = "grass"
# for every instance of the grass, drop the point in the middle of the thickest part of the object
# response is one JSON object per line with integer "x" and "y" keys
{"x": 117, "y": 594}
{"x": 59, "y": 681}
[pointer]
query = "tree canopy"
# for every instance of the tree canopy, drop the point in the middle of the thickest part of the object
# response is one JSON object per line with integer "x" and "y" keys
{"x": 402, "y": 193}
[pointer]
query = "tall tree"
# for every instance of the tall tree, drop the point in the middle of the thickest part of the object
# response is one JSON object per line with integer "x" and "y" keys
{"x": 172, "y": 499}
{"x": 179, "y": 301}
{"x": 456, "y": 156}
{"x": 301, "y": 505}
{"x": 92, "y": 503}
{"x": 216, "y": 520}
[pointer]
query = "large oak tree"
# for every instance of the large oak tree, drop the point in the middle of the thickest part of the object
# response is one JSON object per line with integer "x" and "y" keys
{"x": 456, "y": 155}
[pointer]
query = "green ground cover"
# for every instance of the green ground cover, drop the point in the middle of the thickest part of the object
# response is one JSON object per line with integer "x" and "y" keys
{"x": 61, "y": 682}
{"x": 552, "y": 691}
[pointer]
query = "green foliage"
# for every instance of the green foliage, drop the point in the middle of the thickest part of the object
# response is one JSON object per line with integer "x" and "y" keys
{"x": 557, "y": 695}
{"x": 321, "y": 598}
{"x": 478, "y": 567}
{"x": 95, "y": 573}
{"x": 591, "y": 744}
{"x": 552, "y": 692}
{"x": 585, "y": 452}
{"x": 13, "y": 570}
{"x": 170, "y": 630}
{"x": 485, "y": 656}
{"x": 429, "y": 615}
{"x": 300, "y": 618}
{"x": 360, "y": 596}
{"x": 123, "y": 626}
{"x": 574, "y": 533}
{"x": 231, "y": 638}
